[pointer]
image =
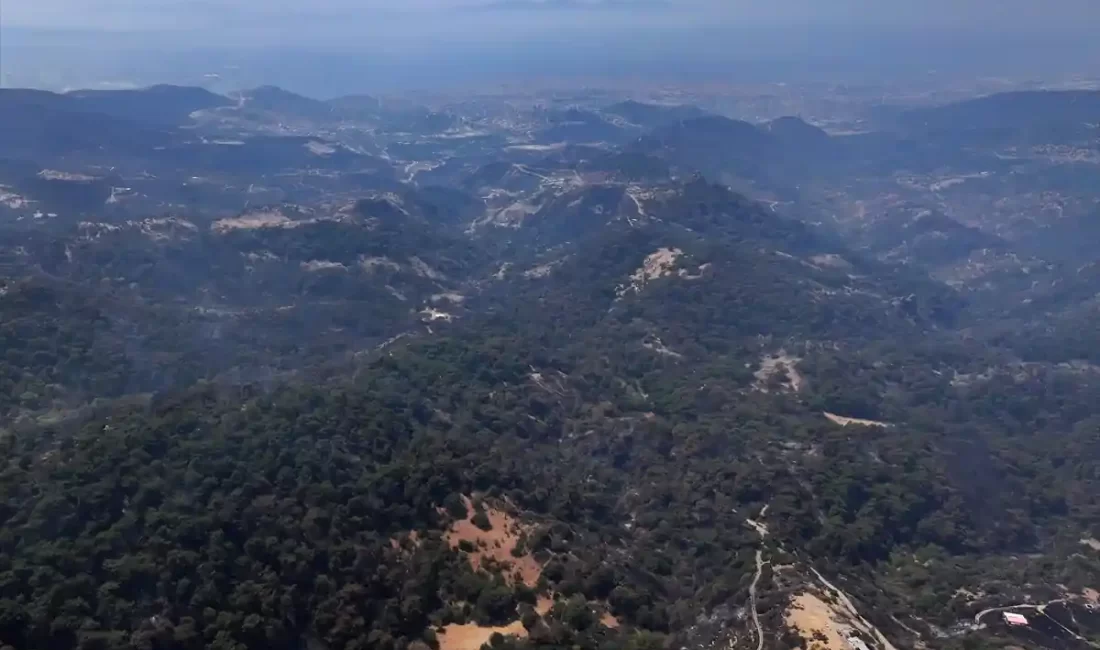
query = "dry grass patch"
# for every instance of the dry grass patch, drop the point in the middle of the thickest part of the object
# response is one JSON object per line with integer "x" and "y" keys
{"x": 471, "y": 636}
{"x": 817, "y": 622}
{"x": 495, "y": 546}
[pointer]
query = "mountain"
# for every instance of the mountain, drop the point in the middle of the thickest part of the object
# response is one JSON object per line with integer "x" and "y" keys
{"x": 796, "y": 131}
{"x": 610, "y": 262}
{"x": 358, "y": 106}
{"x": 635, "y": 369}
{"x": 135, "y": 153}
{"x": 159, "y": 105}
{"x": 272, "y": 99}
{"x": 1014, "y": 110}
{"x": 43, "y": 126}
{"x": 653, "y": 115}
{"x": 579, "y": 125}
{"x": 734, "y": 152}
{"x": 364, "y": 373}
{"x": 255, "y": 294}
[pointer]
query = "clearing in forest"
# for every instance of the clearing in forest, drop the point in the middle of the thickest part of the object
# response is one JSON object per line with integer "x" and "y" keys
{"x": 827, "y": 625}
{"x": 772, "y": 364}
{"x": 813, "y": 619}
{"x": 656, "y": 265}
{"x": 845, "y": 421}
{"x": 659, "y": 264}
{"x": 496, "y": 544}
{"x": 471, "y": 636}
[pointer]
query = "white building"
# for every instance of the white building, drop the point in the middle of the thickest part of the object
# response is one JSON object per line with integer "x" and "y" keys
{"x": 1014, "y": 619}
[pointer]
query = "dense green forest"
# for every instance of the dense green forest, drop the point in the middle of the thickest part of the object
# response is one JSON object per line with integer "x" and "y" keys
{"x": 225, "y": 518}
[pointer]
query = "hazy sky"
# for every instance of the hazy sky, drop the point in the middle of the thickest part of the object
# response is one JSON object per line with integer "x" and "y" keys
{"x": 60, "y": 42}
{"x": 304, "y": 16}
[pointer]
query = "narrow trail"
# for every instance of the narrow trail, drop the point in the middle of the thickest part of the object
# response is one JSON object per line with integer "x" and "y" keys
{"x": 752, "y": 600}
{"x": 762, "y": 530}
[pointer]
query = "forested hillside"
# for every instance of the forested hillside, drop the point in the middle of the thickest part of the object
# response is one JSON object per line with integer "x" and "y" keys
{"x": 368, "y": 374}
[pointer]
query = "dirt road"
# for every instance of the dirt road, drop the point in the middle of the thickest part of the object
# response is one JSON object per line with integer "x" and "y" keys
{"x": 752, "y": 600}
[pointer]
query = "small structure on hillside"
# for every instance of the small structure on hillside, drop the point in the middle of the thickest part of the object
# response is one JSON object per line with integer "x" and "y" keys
{"x": 1014, "y": 619}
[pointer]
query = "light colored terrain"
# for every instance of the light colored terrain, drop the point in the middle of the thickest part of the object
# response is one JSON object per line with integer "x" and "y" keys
{"x": 846, "y": 421}
{"x": 320, "y": 148}
{"x": 433, "y": 314}
{"x": 773, "y": 364}
{"x": 372, "y": 263}
{"x": 811, "y": 616}
{"x": 54, "y": 175}
{"x": 253, "y": 221}
{"x": 471, "y": 636}
{"x": 831, "y": 614}
{"x": 492, "y": 546}
{"x": 657, "y": 264}
{"x": 322, "y": 265}
{"x": 495, "y": 544}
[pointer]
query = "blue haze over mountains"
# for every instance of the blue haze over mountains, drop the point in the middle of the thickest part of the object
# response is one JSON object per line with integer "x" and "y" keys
{"x": 333, "y": 47}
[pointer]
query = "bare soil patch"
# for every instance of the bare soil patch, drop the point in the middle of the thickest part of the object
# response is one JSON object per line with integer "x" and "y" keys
{"x": 55, "y": 175}
{"x": 773, "y": 364}
{"x": 495, "y": 545}
{"x": 253, "y": 221}
{"x": 657, "y": 264}
{"x": 471, "y": 636}
{"x": 813, "y": 619}
{"x": 322, "y": 265}
{"x": 845, "y": 421}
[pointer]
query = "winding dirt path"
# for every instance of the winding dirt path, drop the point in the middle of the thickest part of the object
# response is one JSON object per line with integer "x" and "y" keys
{"x": 1031, "y": 606}
{"x": 752, "y": 600}
{"x": 1041, "y": 609}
